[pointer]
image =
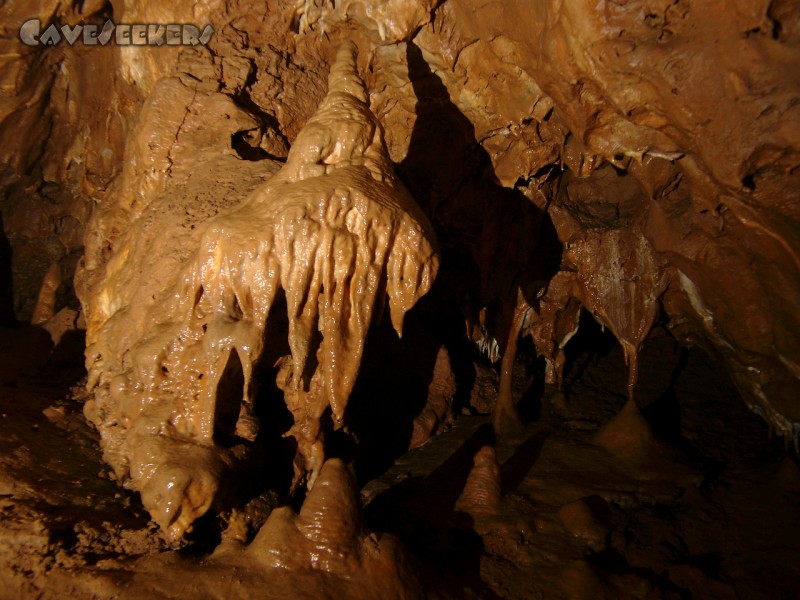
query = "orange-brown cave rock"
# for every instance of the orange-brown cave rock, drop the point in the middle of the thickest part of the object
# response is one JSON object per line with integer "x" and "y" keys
{"x": 332, "y": 229}
{"x": 582, "y": 216}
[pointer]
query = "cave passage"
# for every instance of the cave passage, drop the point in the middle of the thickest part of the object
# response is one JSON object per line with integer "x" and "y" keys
{"x": 401, "y": 299}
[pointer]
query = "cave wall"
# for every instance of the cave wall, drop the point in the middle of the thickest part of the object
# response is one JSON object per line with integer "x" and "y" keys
{"x": 646, "y": 150}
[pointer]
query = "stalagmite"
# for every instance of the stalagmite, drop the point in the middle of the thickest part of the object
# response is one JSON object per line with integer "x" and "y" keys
{"x": 581, "y": 519}
{"x": 46, "y": 301}
{"x": 335, "y": 230}
{"x": 629, "y": 436}
{"x": 482, "y": 492}
{"x": 330, "y": 518}
{"x": 327, "y": 534}
{"x": 506, "y": 417}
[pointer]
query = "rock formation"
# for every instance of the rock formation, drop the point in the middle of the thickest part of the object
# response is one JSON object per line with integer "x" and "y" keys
{"x": 598, "y": 115}
{"x": 334, "y": 230}
{"x": 482, "y": 491}
{"x": 218, "y": 217}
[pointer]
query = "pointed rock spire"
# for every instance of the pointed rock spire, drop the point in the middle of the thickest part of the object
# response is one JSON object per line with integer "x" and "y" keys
{"x": 331, "y": 517}
{"x": 344, "y": 76}
{"x": 482, "y": 492}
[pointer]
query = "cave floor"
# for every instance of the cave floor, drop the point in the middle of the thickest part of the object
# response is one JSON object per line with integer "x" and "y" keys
{"x": 709, "y": 513}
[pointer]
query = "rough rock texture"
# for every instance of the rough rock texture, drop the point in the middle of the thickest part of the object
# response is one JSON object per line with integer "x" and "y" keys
{"x": 632, "y": 159}
{"x": 621, "y": 90}
{"x": 599, "y": 114}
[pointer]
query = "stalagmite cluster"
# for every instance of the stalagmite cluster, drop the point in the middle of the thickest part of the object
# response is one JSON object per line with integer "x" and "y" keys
{"x": 336, "y": 231}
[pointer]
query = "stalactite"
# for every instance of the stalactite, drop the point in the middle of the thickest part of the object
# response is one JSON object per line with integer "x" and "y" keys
{"x": 553, "y": 324}
{"x": 621, "y": 283}
{"x": 336, "y": 231}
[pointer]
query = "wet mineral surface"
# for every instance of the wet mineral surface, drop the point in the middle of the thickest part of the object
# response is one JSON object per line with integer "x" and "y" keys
{"x": 581, "y": 216}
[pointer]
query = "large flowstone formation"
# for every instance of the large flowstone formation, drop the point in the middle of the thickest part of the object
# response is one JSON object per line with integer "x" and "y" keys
{"x": 214, "y": 230}
{"x": 336, "y": 231}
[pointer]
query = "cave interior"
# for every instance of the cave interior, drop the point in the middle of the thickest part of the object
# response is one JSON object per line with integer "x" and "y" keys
{"x": 402, "y": 299}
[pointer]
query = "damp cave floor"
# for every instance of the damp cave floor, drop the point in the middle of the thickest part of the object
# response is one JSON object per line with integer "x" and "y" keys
{"x": 712, "y": 517}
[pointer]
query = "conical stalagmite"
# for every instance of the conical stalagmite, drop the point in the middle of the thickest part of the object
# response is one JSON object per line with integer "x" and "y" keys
{"x": 482, "y": 492}
{"x": 628, "y": 435}
{"x": 328, "y": 534}
{"x": 331, "y": 517}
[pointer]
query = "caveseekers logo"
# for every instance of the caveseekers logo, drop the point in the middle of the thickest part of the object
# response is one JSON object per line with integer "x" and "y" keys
{"x": 174, "y": 34}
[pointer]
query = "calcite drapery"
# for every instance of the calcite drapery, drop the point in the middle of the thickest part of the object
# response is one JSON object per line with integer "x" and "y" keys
{"x": 336, "y": 231}
{"x": 617, "y": 278}
{"x": 621, "y": 283}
